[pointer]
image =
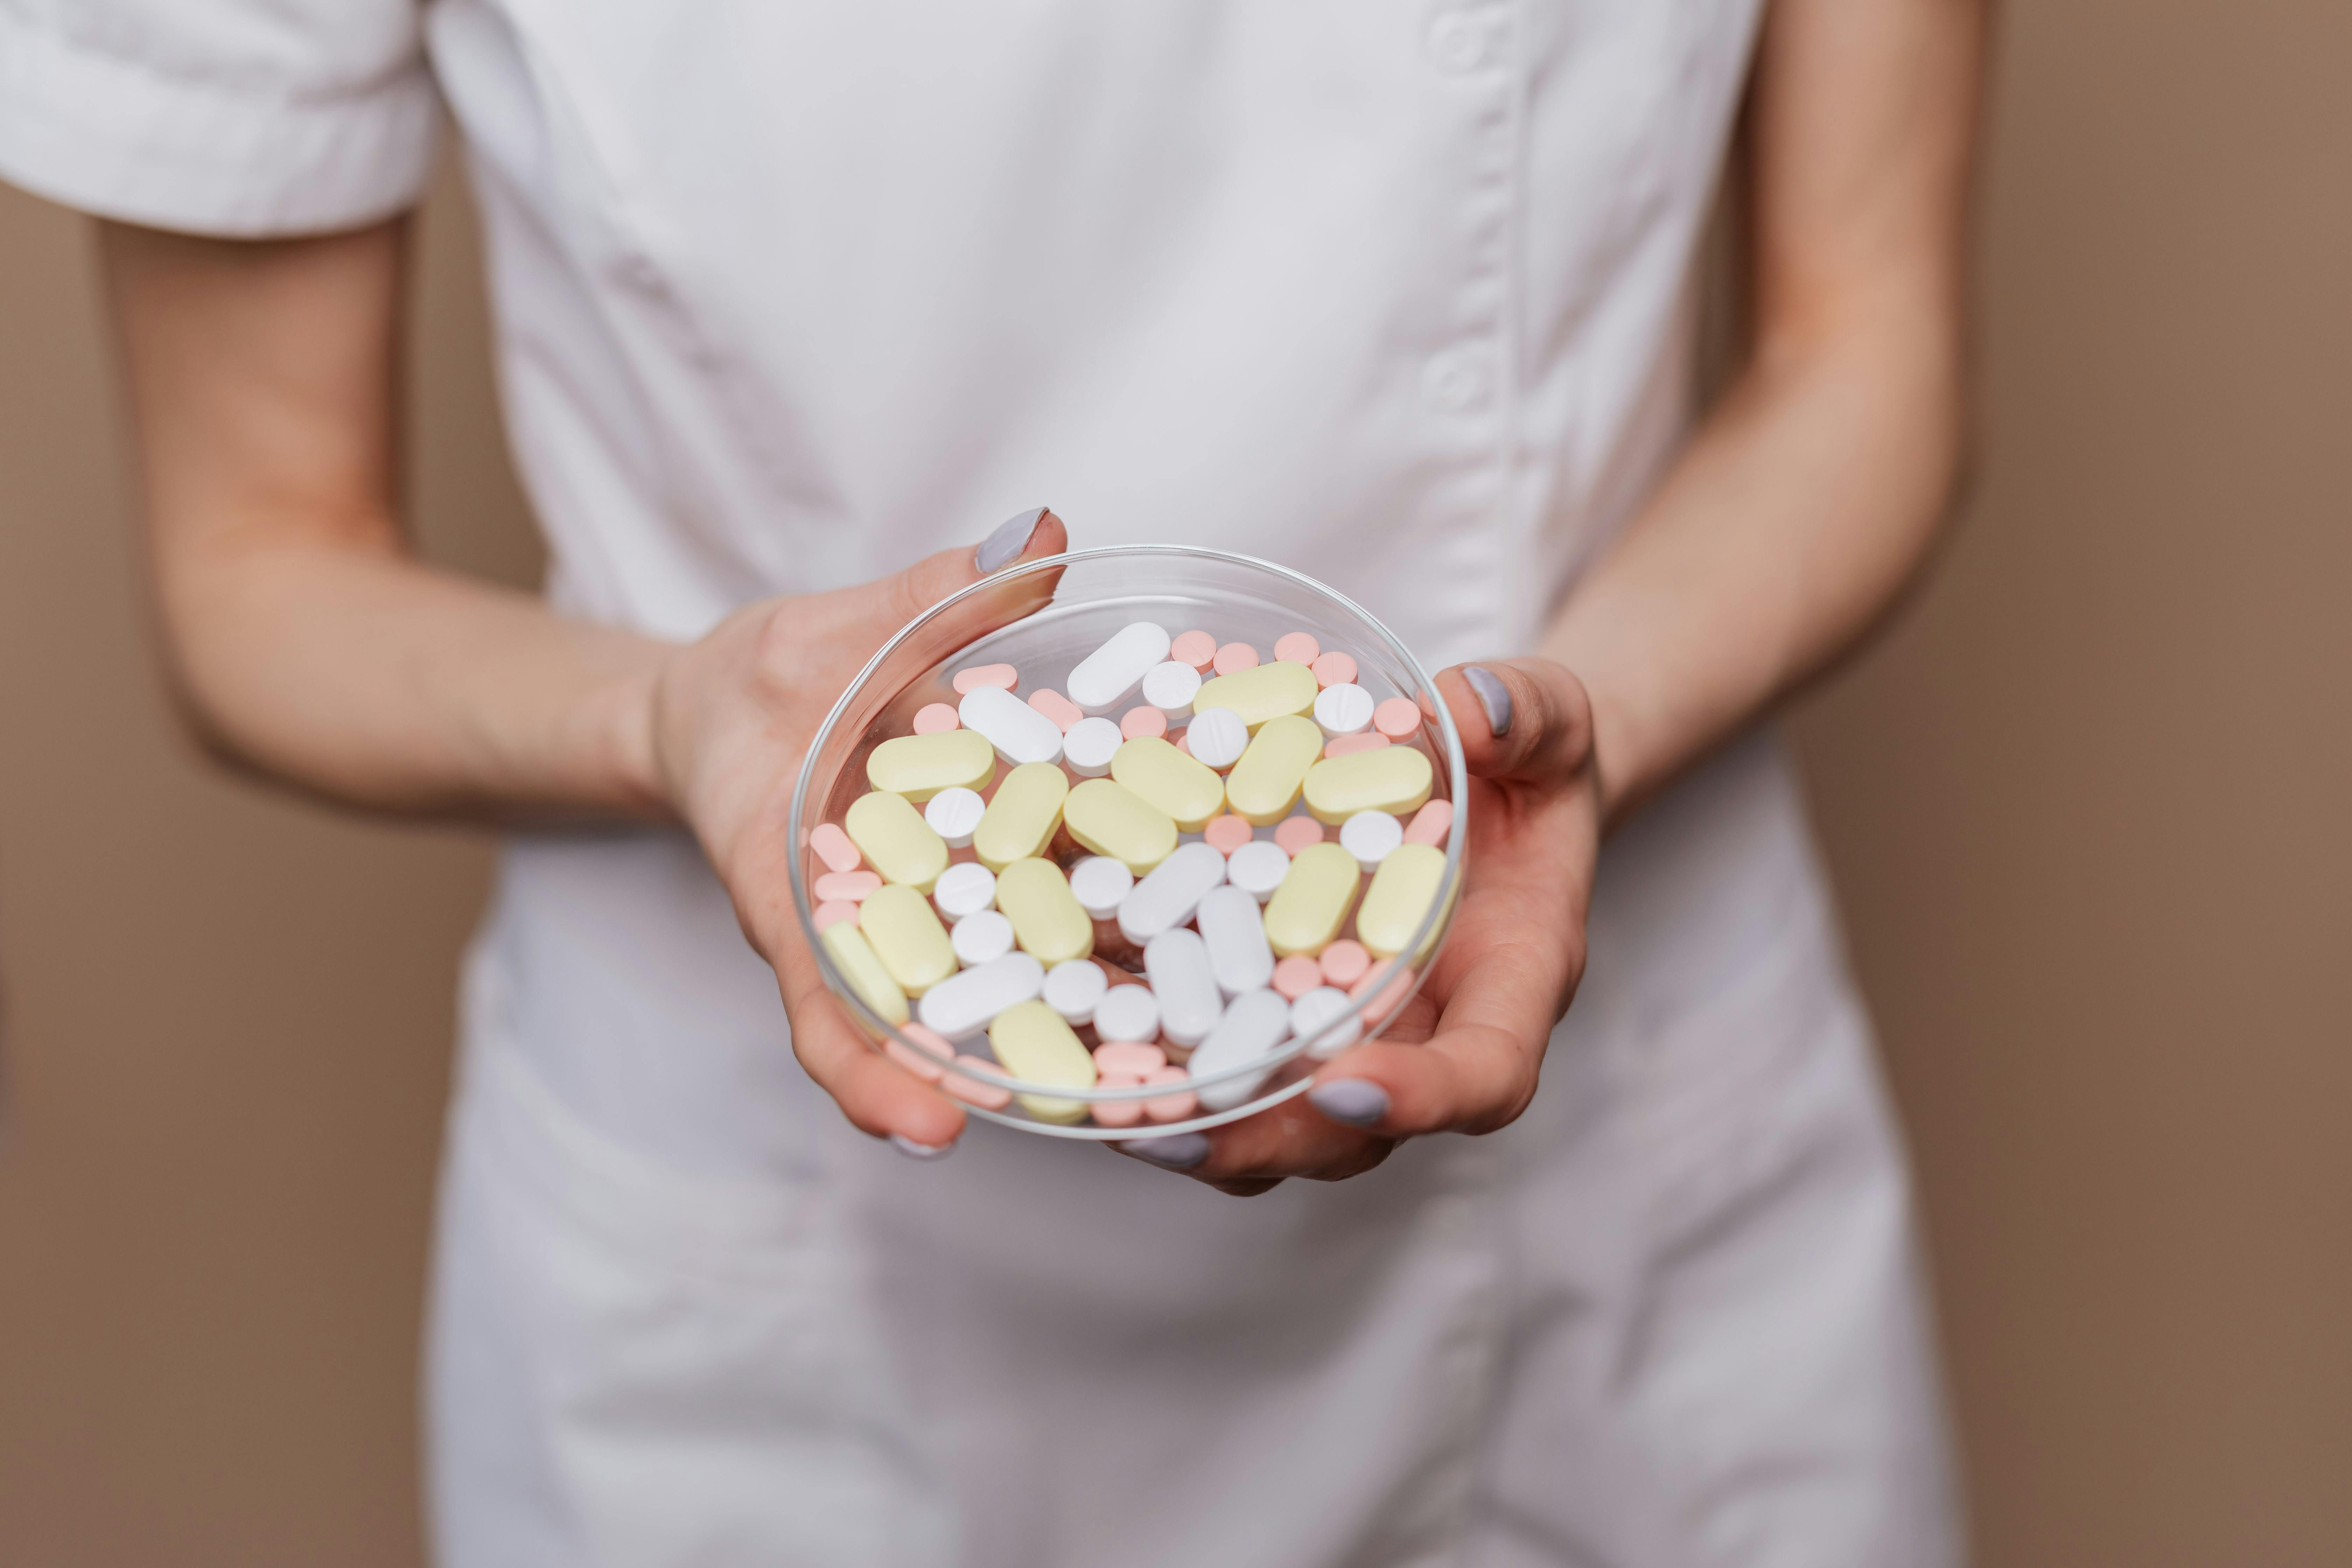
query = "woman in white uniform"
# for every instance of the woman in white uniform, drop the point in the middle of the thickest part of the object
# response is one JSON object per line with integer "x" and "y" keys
{"x": 794, "y": 300}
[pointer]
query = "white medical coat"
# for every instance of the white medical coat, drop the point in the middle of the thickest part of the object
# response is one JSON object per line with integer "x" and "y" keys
{"x": 791, "y": 292}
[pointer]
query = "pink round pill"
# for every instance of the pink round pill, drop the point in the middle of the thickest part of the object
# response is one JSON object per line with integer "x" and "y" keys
{"x": 987, "y": 1095}
{"x": 1384, "y": 990}
{"x": 1198, "y": 649}
{"x": 1297, "y": 833}
{"x": 936, "y": 718}
{"x": 1297, "y": 647}
{"x": 1396, "y": 718}
{"x": 1226, "y": 833}
{"x": 1056, "y": 707}
{"x": 1369, "y": 740}
{"x": 1430, "y": 823}
{"x": 1118, "y": 1112}
{"x": 968, "y": 681}
{"x": 847, "y": 887}
{"x": 834, "y": 848}
{"x": 1333, "y": 670}
{"x": 1142, "y": 723}
{"x": 1235, "y": 657}
{"x": 833, "y": 912}
{"x": 1137, "y": 1057}
{"x": 1171, "y": 1107}
{"x": 1296, "y": 976}
{"x": 1344, "y": 963}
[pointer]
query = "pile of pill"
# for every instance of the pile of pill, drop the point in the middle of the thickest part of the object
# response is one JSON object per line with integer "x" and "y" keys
{"x": 1019, "y": 859}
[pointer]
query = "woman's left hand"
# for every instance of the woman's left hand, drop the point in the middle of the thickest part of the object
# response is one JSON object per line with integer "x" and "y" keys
{"x": 1464, "y": 1055}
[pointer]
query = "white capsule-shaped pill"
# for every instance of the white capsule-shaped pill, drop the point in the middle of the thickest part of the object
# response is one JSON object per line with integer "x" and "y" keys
{"x": 1090, "y": 745}
{"x": 1074, "y": 988}
{"x": 1372, "y": 837}
{"x": 1098, "y": 883}
{"x": 1344, "y": 710}
{"x": 981, "y": 937}
{"x": 1018, "y": 731}
{"x": 1313, "y": 1013}
{"x": 1177, "y": 964}
{"x": 1252, "y": 1024}
{"x": 1107, "y": 677}
{"x": 1167, "y": 898}
{"x": 1236, "y": 934}
{"x": 1170, "y": 686}
{"x": 1258, "y": 867}
{"x": 964, "y": 890}
{"x": 965, "y": 1003}
{"x": 1218, "y": 737}
{"x": 1128, "y": 1012}
{"x": 954, "y": 813}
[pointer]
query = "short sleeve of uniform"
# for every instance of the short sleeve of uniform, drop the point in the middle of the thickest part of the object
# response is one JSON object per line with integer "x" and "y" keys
{"x": 236, "y": 118}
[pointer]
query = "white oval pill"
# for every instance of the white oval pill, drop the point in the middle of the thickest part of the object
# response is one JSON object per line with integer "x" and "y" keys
{"x": 1254, "y": 1024}
{"x": 1234, "y": 932}
{"x": 1218, "y": 737}
{"x": 1177, "y": 963}
{"x": 981, "y": 937}
{"x": 1128, "y": 1012}
{"x": 964, "y": 890}
{"x": 1344, "y": 710}
{"x": 965, "y": 1003}
{"x": 1167, "y": 898}
{"x": 954, "y": 813}
{"x": 1098, "y": 883}
{"x": 1372, "y": 837}
{"x": 1018, "y": 731}
{"x": 1090, "y": 745}
{"x": 1104, "y": 679}
{"x": 1170, "y": 688}
{"x": 1073, "y": 989}
{"x": 1314, "y": 1012}
{"x": 1257, "y": 867}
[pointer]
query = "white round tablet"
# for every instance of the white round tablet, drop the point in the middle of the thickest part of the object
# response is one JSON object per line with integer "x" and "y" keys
{"x": 1257, "y": 867}
{"x": 1128, "y": 1012}
{"x": 954, "y": 813}
{"x": 964, "y": 890}
{"x": 981, "y": 938}
{"x": 1072, "y": 989}
{"x": 1344, "y": 710}
{"x": 1170, "y": 688}
{"x": 1089, "y": 745}
{"x": 1313, "y": 1012}
{"x": 1100, "y": 883}
{"x": 1372, "y": 837}
{"x": 1218, "y": 737}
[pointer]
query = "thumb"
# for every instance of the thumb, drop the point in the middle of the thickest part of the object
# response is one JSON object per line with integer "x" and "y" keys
{"x": 882, "y": 607}
{"x": 1525, "y": 719}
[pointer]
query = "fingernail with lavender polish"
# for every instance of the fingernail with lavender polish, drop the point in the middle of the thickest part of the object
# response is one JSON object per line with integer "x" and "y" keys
{"x": 1181, "y": 1151}
{"x": 1358, "y": 1101}
{"x": 914, "y": 1151}
{"x": 1011, "y": 537}
{"x": 1493, "y": 696}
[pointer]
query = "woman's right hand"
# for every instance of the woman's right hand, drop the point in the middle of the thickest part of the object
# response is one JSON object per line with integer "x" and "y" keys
{"x": 729, "y": 718}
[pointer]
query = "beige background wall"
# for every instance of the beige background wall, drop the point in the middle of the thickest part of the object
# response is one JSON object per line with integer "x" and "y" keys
{"x": 2087, "y": 807}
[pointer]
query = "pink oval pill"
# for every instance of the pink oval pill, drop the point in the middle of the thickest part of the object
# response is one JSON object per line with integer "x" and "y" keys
{"x": 1333, "y": 670}
{"x": 1297, "y": 647}
{"x": 1142, "y": 723}
{"x": 1137, "y": 1057}
{"x": 835, "y": 848}
{"x": 914, "y": 1061}
{"x": 847, "y": 887}
{"x": 1226, "y": 833}
{"x": 1344, "y": 963}
{"x": 1198, "y": 649}
{"x": 1396, "y": 718}
{"x": 987, "y": 1095}
{"x": 1296, "y": 976}
{"x": 1118, "y": 1112}
{"x": 1056, "y": 707}
{"x": 1297, "y": 833}
{"x": 833, "y": 912}
{"x": 1430, "y": 823}
{"x": 1235, "y": 657}
{"x": 936, "y": 718}
{"x": 1171, "y": 1107}
{"x": 1369, "y": 740}
{"x": 968, "y": 681}
{"x": 1385, "y": 991}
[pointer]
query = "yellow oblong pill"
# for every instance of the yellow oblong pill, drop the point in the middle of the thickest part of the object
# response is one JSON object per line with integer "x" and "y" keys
{"x": 906, "y": 937}
{"x": 1023, "y": 815}
{"x": 1189, "y": 792}
{"x": 1048, "y": 921}
{"x": 1111, "y": 819}
{"x": 856, "y": 959}
{"x": 1402, "y": 891}
{"x": 1033, "y": 1042}
{"x": 1266, "y": 691}
{"x": 1264, "y": 785}
{"x": 1307, "y": 910}
{"x": 895, "y": 839}
{"x": 920, "y": 766}
{"x": 1394, "y": 779}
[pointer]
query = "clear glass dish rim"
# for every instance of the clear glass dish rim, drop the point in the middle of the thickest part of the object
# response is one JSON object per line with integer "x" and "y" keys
{"x": 1441, "y": 908}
